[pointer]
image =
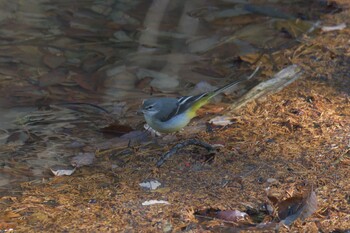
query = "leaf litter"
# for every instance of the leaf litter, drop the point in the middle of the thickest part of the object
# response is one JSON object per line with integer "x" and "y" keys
{"x": 296, "y": 134}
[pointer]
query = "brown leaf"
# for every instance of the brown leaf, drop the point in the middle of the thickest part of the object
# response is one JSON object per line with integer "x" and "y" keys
{"x": 289, "y": 206}
{"x": 83, "y": 159}
{"x": 53, "y": 77}
{"x": 309, "y": 203}
{"x": 30, "y": 55}
{"x": 53, "y": 61}
{"x": 293, "y": 27}
{"x": 300, "y": 206}
{"x": 117, "y": 129}
{"x": 93, "y": 62}
{"x": 144, "y": 82}
{"x": 90, "y": 82}
{"x": 9, "y": 70}
{"x": 272, "y": 199}
{"x": 231, "y": 215}
{"x": 84, "y": 81}
{"x": 19, "y": 137}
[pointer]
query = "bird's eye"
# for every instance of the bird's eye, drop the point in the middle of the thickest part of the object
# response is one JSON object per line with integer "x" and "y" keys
{"x": 149, "y": 107}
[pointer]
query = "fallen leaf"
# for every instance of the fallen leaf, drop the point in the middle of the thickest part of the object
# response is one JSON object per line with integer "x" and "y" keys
{"x": 222, "y": 120}
{"x": 150, "y": 185}
{"x": 93, "y": 62}
{"x": 160, "y": 80}
{"x": 153, "y": 202}
{"x": 53, "y": 77}
{"x": 86, "y": 81}
{"x": 53, "y": 61}
{"x": 62, "y": 170}
{"x": 231, "y": 215}
{"x": 293, "y": 27}
{"x": 144, "y": 82}
{"x": 300, "y": 206}
{"x": 83, "y": 159}
{"x": 17, "y": 138}
{"x": 334, "y": 28}
{"x": 117, "y": 129}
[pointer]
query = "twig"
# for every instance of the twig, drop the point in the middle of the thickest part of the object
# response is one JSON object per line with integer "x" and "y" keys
{"x": 181, "y": 145}
{"x": 341, "y": 157}
{"x": 86, "y": 104}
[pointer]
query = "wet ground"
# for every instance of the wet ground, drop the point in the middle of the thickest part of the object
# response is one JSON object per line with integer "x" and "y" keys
{"x": 109, "y": 55}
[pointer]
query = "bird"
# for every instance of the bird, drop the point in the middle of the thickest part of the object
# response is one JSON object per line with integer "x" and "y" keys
{"x": 171, "y": 114}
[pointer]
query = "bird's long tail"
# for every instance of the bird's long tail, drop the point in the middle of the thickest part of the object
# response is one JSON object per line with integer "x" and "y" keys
{"x": 200, "y": 100}
{"x": 228, "y": 86}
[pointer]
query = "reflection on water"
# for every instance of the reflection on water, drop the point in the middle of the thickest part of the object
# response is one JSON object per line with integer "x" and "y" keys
{"x": 115, "y": 53}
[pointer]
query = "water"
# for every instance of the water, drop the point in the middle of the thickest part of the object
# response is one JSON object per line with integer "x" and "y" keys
{"x": 116, "y": 53}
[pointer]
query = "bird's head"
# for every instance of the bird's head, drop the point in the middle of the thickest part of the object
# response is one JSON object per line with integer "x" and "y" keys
{"x": 150, "y": 107}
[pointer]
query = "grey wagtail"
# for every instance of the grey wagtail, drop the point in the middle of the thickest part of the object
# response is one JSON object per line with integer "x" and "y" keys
{"x": 168, "y": 115}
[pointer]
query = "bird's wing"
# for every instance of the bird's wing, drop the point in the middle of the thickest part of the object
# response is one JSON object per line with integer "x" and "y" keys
{"x": 169, "y": 108}
{"x": 186, "y": 102}
{"x": 183, "y": 104}
{"x": 180, "y": 105}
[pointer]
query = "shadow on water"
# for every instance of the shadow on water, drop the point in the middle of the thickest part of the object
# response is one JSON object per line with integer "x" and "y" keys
{"x": 116, "y": 53}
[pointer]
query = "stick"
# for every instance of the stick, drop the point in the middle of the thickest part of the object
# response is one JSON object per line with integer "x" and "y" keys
{"x": 181, "y": 145}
